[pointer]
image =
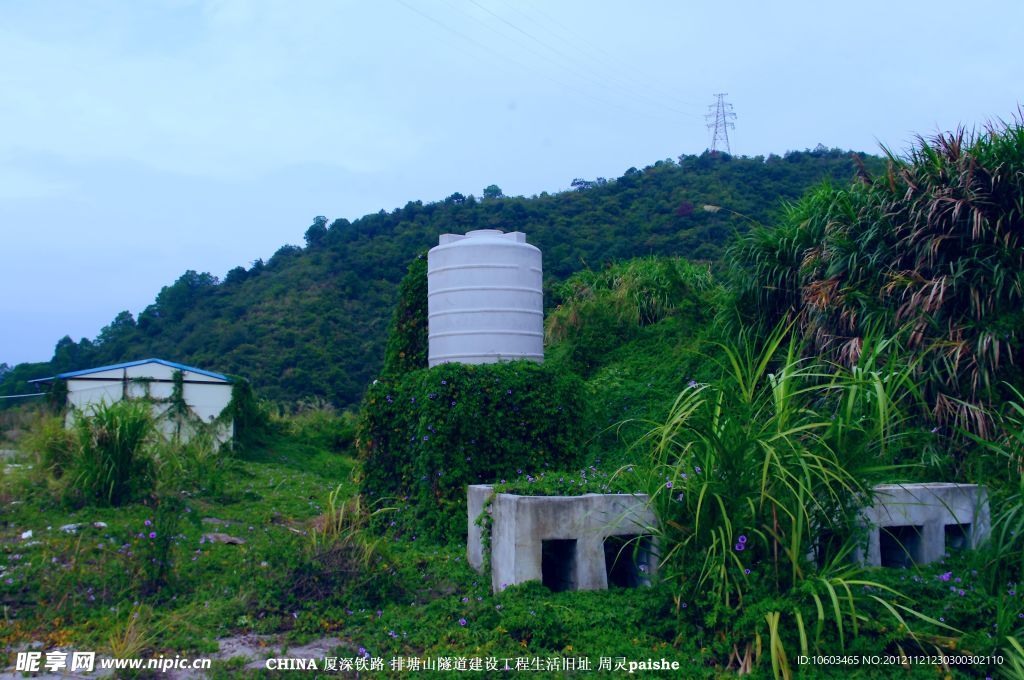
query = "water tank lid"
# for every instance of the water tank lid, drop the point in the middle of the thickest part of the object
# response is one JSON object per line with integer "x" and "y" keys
{"x": 515, "y": 236}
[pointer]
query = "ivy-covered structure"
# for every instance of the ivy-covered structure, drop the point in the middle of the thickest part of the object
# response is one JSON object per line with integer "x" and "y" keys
{"x": 184, "y": 398}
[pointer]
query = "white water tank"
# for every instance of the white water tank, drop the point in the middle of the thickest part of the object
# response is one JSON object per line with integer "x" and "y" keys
{"x": 484, "y": 299}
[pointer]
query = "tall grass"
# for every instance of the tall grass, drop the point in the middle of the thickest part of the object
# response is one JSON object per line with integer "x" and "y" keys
{"x": 1007, "y": 543}
{"x": 198, "y": 464}
{"x": 52, "y": 445}
{"x": 111, "y": 463}
{"x": 758, "y": 480}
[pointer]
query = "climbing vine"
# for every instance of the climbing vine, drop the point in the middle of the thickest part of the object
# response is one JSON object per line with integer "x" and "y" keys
{"x": 407, "y": 342}
{"x": 426, "y": 434}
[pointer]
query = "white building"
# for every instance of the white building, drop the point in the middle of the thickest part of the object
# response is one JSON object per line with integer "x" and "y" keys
{"x": 205, "y": 394}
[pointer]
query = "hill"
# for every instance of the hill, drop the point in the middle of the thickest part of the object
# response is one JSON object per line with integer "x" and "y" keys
{"x": 312, "y": 321}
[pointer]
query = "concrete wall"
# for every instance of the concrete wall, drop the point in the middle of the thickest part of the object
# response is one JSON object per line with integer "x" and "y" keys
{"x": 916, "y": 523}
{"x": 520, "y": 526}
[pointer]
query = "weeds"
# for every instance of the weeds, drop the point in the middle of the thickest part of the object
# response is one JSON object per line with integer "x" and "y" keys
{"x": 134, "y": 635}
{"x": 343, "y": 556}
{"x": 197, "y": 464}
{"x": 52, "y": 444}
{"x": 111, "y": 463}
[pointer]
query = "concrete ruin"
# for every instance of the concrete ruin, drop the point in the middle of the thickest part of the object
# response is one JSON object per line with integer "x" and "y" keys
{"x": 587, "y": 542}
{"x": 913, "y": 524}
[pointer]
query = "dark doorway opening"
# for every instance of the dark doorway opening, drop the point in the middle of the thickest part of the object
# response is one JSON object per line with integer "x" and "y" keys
{"x": 958, "y": 537}
{"x": 558, "y": 564}
{"x": 900, "y": 546}
{"x": 627, "y": 560}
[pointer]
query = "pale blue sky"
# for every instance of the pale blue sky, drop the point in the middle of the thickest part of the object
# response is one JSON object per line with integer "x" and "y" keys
{"x": 141, "y": 139}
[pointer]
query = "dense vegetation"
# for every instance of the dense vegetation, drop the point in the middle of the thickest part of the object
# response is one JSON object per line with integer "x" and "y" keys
{"x": 930, "y": 251}
{"x": 428, "y": 433}
{"x": 757, "y": 403}
{"x": 312, "y": 321}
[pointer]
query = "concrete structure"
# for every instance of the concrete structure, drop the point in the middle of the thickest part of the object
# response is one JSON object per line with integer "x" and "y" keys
{"x": 583, "y": 542}
{"x": 485, "y": 301}
{"x": 206, "y": 394}
{"x": 918, "y": 523}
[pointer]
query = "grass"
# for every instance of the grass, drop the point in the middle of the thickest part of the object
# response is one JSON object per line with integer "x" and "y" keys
{"x": 71, "y": 589}
{"x": 272, "y": 501}
{"x": 310, "y": 570}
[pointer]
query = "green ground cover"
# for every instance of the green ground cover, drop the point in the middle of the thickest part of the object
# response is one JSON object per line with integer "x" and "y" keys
{"x": 756, "y": 405}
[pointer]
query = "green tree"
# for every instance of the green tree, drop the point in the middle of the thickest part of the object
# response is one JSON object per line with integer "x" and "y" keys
{"x": 317, "y": 231}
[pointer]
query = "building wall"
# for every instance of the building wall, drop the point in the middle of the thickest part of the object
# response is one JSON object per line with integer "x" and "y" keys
{"x": 205, "y": 401}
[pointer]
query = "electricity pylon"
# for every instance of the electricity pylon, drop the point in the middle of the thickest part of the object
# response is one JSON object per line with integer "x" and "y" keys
{"x": 720, "y": 117}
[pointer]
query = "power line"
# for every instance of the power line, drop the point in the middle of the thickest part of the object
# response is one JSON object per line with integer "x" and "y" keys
{"x": 599, "y": 78}
{"x": 566, "y": 36}
{"x": 720, "y": 117}
{"x": 543, "y": 74}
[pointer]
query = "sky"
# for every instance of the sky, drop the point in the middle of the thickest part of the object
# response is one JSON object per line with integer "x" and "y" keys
{"x": 143, "y": 139}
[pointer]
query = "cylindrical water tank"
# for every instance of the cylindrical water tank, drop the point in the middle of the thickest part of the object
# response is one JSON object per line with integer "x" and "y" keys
{"x": 484, "y": 299}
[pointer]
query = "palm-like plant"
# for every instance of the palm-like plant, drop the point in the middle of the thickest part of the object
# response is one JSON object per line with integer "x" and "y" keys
{"x": 932, "y": 250}
{"x": 760, "y": 477}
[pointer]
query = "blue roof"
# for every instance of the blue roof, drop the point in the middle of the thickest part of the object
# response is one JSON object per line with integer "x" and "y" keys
{"x": 128, "y": 364}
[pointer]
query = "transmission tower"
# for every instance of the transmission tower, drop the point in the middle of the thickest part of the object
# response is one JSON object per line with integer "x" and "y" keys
{"x": 720, "y": 117}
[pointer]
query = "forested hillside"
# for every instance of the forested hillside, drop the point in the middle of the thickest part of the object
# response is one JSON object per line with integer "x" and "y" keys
{"x": 312, "y": 320}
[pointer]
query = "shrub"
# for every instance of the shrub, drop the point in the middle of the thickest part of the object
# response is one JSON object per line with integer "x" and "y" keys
{"x": 110, "y": 464}
{"x": 250, "y": 416}
{"x": 598, "y": 312}
{"x": 752, "y": 471}
{"x": 931, "y": 249}
{"x": 194, "y": 465}
{"x": 424, "y": 436}
{"x": 319, "y": 424}
{"x": 52, "y": 443}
